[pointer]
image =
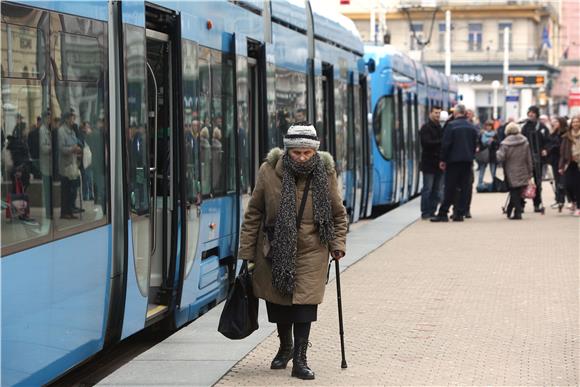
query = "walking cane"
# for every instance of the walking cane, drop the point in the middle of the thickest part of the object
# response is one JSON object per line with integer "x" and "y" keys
{"x": 339, "y": 301}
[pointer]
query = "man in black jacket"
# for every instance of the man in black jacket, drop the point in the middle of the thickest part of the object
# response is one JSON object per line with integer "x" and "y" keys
{"x": 537, "y": 135}
{"x": 431, "y": 135}
{"x": 457, "y": 154}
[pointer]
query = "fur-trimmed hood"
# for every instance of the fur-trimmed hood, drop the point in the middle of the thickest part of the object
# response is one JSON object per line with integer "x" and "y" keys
{"x": 275, "y": 154}
{"x": 514, "y": 140}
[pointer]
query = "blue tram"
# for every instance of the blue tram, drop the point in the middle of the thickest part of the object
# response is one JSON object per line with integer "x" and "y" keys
{"x": 402, "y": 94}
{"x": 132, "y": 133}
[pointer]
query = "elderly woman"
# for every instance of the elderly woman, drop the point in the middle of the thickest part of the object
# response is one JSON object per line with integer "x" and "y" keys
{"x": 514, "y": 152}
{"x": 294, "y": 219}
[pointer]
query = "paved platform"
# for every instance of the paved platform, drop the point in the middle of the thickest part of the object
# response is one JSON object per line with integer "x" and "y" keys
{"x": 488, "y": 301}
{"x": 198, "y": 355}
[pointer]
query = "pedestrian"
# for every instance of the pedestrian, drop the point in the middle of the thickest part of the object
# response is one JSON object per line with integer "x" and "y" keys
{"x": 537, "y": 135}
{"x": 431, "y": 134}
{"x": 514, "y": 153}
{"x": 569, "y": 161}
{"x": 457, "y": 154}
{"x": 487, "y": 145}
{"x": 68, "y": 165}
{"x": 558, "y": 128}
{"x": 289, "y": 261}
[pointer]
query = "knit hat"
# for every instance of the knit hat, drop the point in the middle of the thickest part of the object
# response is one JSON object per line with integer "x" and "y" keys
{"x": 534, "y": 109}
{"x": 301, "y": 135}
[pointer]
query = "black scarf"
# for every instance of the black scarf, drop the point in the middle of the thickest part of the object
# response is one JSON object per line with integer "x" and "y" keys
{"x": 284, "y": 244}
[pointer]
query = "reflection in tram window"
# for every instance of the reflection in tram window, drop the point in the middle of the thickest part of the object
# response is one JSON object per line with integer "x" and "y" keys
{"x": 77, "y": 57}
{"x": 383, "y": 126}
{"x": 138, "y": 152}
{"x": 192, "y": 124}
{"x": 216, "y": 108}
{"x": 23, "y": 51}
{"x": 290, "y": 101}
{"x": 26, "y": 209}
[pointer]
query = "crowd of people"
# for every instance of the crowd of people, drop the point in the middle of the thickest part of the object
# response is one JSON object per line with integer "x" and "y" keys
{"x": 526, "y": 151}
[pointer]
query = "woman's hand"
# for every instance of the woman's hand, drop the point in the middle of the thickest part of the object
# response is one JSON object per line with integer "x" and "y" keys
{"x": 337, "y": 254}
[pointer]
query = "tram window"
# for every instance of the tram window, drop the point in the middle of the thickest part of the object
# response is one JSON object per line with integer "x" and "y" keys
{"x": 245, "y": 106}
{"x": 137, "y": 144}
{"x": 290, "y": 101}
{"x": 216, "y": 108}
{"x": 341, "y": 122}
{"x": 205, "y": 115}
{"x": 383, "y": 126}
{"x": 192, "y": 124}
{"x": 77, "y": 57}
{"x": 22, "y": 52}
{"x": 26, "y": 164}
{"x": 319, "y": 121}
{"x": 80, "y": 178}
{"x": 138, "y": 151}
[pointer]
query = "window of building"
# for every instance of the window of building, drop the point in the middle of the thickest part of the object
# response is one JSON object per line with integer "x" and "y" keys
{"x": 475, "y": 37}
{"x": 441, "y": 37}
{"x": 416, "y": 35}
{"x": 501, "y": 38}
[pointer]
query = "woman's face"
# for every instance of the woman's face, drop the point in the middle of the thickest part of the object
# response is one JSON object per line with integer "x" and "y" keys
{"x": 555, "y": 124}
{"x": 575, "y": 124}
{"x": 301, "y": 155}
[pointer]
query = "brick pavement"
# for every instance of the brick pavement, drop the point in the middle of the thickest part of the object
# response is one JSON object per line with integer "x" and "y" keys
{"x": 485, "y": 302}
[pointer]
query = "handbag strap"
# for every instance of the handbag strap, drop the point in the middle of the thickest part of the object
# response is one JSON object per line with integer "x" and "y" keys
{"x": 303, "y": 202}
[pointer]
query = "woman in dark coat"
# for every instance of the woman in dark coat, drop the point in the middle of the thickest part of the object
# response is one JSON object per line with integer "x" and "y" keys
{"x": 558, "y": 128}
{"x": 514, "y": 152}
{"x": 290, "y": 262}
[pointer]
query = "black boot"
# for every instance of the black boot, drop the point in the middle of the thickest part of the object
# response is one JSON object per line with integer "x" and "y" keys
{"x": 285, "y": 351}
{"x": 300, "y": 368}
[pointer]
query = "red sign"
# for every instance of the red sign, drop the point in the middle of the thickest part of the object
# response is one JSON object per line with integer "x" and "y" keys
{"x": 574, "y": 97}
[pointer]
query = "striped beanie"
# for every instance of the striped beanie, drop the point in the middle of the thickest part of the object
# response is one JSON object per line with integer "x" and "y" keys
{"x": 301, "y": 135}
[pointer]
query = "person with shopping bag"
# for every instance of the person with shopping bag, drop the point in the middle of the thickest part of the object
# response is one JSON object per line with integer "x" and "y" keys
{"x": 294, "y": 220}
{"x": 514, "y": 153}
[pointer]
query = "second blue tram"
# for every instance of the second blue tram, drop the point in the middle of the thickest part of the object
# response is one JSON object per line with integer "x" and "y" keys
{"x": 402, "y": 94}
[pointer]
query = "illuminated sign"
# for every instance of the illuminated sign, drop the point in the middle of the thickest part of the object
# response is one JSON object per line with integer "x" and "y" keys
{"x": 527, "y": 80}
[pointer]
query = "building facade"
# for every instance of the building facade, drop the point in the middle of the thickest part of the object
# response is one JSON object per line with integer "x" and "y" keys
{"x": 477, "y": 45}
{"x": 566, "y": 92}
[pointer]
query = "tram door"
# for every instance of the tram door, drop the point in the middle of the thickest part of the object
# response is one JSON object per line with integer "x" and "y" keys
{"x": 161, "y": 68}
{"x": 256, "y": 111}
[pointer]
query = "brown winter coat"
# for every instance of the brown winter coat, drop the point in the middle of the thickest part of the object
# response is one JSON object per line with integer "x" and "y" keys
{"x": 515, "y": 154}
{"x": 566, "y": 151}
{"x": 312, "y": 257}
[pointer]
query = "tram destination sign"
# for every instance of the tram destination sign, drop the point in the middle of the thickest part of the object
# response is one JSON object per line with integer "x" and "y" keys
{"x": 524, "y": 80}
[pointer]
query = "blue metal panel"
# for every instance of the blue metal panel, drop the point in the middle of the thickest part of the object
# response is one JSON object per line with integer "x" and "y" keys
{"x": 198, "y": 289}
{"x": 90, "y": 9}
{"x": 135, "y": 302}
{"x": 290, "y": 48}
{"x": 292, "y": 13}
{"x": 53, "y": 306}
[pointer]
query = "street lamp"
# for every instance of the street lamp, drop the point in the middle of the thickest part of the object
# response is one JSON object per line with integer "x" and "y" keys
{"x": 495, "y": 85}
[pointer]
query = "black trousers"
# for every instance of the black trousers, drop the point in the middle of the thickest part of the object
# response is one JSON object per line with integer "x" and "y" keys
{"x": 572, "y": 177}
{"x": 457, "y": 178}
{"x": 516, "y": 202}
{"x": 538, "y": 167}
{"x": 558, "y": 182}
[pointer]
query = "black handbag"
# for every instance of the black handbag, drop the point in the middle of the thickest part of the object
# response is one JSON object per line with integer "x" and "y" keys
{"x": 239, "y": 317}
